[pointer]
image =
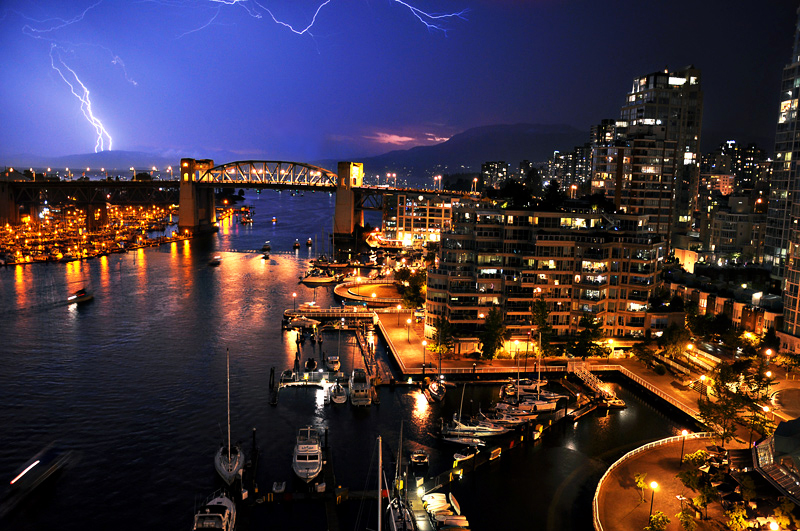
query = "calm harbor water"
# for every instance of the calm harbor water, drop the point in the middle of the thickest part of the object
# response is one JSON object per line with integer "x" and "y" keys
{"x": 134, "y": 383}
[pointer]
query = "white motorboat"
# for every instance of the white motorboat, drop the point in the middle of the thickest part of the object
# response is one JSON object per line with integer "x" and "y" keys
{"x": 307, "y": 458}
{"x": 219, "y": 512}
{"x": 215, "y": 261}
{"x": 333, "y": 363}
{"x": 338, "y": 393}
{"x": 360, "y": 388}
{"x": 229, "y": 460}
{"x": 435, "y": 391}
{"x": 468, "y": 452}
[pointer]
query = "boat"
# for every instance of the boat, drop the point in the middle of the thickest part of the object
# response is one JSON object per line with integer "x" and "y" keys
{"x": 215, "y": 261}
{"x": 526, "y": 407}
{"x": 80, "y": 296}
{"x": 457, "y": 428}
{"x": 296, "y": 244}
{"x": 469, "y": 441}
{"x": 612, "y": 402}
{"x": 468, "y": 452}
{"x": 333, "y": 363}
{"x": 219, "y": 512}
{"x": 307, "y": 458}
{"x": 360, "y": 388}
{"x": 506, "y": 419}
{"x": 278, "y": 487}
{"x": 310, "y": 364}
{"x": 435, "y": 391}
{"x": 265, "y": 255}
{"x": 229, "y": 460}
{"x": 319, "y": 276}
{"x": 338, "y": 393}
{"x": 400, "y": 517}
{"x": 309, "y": 242}
{"x": 267, "y": 246}
{"x": 419, "y": 458}
{"x": 274, "y": 219}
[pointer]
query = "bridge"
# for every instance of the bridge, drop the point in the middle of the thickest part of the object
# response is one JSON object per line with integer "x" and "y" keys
{"x": 194, "y": 191}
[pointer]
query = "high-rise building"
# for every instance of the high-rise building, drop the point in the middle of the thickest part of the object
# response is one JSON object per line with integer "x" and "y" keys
{"x": 782, "y": 242}
{"x": 783, "y": 185}
{"x": 673, "y": 100}
{"x": 494, "y": 173}
{"x": 637, "y": 174}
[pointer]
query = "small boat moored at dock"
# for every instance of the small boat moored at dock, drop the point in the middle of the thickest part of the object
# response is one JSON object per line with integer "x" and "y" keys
{"x": 307, "y": 458}
{"x": 219, "y": 512}
{"x": 360, "y": 388}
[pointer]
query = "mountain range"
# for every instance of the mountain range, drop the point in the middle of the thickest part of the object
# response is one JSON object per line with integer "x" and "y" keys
{"x": 464, "y": 152}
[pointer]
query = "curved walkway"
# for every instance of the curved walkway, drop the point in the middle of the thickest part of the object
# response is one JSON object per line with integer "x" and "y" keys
{"x": 374, "y": 292}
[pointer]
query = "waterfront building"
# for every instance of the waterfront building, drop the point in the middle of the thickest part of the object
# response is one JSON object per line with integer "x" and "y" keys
{"x": 636, "y": 173}
{"x": 782, "y": 240}
{"x": 416, "y": 218}
{"x": 673, "y": 100}
{"x": 582, "y": 263}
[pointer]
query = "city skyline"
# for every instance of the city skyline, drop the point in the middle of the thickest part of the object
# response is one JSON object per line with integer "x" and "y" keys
{"x": 176, "y": 78}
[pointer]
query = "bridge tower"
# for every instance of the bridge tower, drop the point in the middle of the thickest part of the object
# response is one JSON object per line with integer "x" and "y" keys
{"x": 346, "y": 216}
{"x": 197, "y": 211}
{"x": 9, "y": 210}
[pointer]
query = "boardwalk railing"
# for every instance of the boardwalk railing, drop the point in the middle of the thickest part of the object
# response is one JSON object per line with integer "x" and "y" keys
{"x": 598, "y": 526}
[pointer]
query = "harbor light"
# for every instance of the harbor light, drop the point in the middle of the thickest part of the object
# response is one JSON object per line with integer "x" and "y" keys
{"x": 653, "y": 486}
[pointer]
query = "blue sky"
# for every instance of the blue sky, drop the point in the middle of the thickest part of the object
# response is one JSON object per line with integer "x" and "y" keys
{"x": 195, "y": 77}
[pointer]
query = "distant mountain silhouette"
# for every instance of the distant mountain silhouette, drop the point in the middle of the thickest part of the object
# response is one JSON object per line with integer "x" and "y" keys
{"x": 463, "y": 152}
{"x": 468, "y": 150}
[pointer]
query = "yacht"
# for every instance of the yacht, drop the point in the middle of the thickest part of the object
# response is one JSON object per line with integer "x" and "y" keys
{"x": 219, "y": 512}
{"x": 319, "y": 276}
{"x": 333, "y": 363}
{"x": 338, "y": 393}
{"x": 360, "y": 388}
{"x": 307, "y": 459}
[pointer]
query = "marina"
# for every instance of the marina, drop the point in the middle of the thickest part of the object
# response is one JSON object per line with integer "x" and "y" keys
{"x": 126, "y": 395}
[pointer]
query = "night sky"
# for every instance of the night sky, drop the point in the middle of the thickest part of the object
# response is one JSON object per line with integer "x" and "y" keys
{"x": 199, "y": 77}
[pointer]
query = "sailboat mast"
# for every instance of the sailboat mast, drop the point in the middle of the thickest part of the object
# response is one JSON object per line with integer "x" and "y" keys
{"x": 228, "y": 357}
{"x": 380, "y": 494}
{"x": 539, "y": 367}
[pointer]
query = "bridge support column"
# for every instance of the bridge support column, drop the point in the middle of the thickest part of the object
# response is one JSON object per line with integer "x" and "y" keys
{"x": 96, "y": 216}
{"x": 9, "y": 209}
{"x": 197, "y": 212}
{"x": 350, "y": 175}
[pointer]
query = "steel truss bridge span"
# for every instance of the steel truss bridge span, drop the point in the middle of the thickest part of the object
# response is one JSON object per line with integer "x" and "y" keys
{"x": 274, "y": 174}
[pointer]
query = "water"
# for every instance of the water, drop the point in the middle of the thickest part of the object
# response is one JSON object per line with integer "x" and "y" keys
{"x": 134, "y": 383}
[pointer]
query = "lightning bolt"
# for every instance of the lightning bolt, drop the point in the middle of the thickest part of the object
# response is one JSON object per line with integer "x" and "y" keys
{"x": 83, "y": 97}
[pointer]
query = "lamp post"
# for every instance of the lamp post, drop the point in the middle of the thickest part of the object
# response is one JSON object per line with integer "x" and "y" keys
{"x": 294, "y": 301}
{"x": 683, "y": 442}
{"x": 703, "y": 383}
{"x": 408, "y": 330}
{"x": 399, "y": 307}
{"x": 358, "y": 287}
{"x": 653, "y": 486}
{"x": 769, "y": 377}
{"x": 424, "y": 344}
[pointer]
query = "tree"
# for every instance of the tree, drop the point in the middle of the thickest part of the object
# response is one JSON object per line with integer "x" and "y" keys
{"x": 539, "y": 319}
{"x": 494, "y": 334}
{"x": 643, "y": 353}
{"x": 658, "y": 522}
{"x": 686, "y": 519}
{"x": 784, "y": 513}
{"x": 708, "y": 494}
{"x": 640, "y": 483}
{"x": 414, "y": 294}
{"x": 722, "y": 413}
{"x": 737, "y": 517}
{"x": 588, "y": 342}
{"x": 674, "y": 340}
{"x": 442, "y": 336}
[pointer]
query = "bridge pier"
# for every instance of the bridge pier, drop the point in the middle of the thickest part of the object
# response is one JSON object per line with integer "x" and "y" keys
{"x": 346, "y": 215}
{"x": 9, "y": 210}
{"x": 197, "y": 212}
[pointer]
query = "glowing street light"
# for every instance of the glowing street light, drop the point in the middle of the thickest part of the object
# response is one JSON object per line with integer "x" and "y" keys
{"x": 294, "y": 301}
{"x": 653, "y": 486}
{"x": 399, "y": 307}
{"x": 683, "y": 442}
{"x": 408, "y": 330}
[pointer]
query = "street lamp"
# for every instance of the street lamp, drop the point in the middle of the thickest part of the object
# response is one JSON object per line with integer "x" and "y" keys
{"x": 424, "y": 344}
{"x": 683, "y": 442}
{"x": 769, "y": 377}
{"x": 399, "y": 307}
{"x": 703, "y": 383}
{"x": 653, "y": 486}
{"x": 294, "y": 301}
{"x": 408, "y": 330}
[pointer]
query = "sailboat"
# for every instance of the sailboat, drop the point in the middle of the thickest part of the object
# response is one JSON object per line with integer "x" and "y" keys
{"x": 400, "y": 518}
{"x": 229, "y": 460}
{"x": 456, "y": 428}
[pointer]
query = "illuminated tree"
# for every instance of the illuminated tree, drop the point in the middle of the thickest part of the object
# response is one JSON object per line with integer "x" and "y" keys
{"x": 658, "y": 522}
{"x": 737, "y": 517}
{"x": 494, "y": 333}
